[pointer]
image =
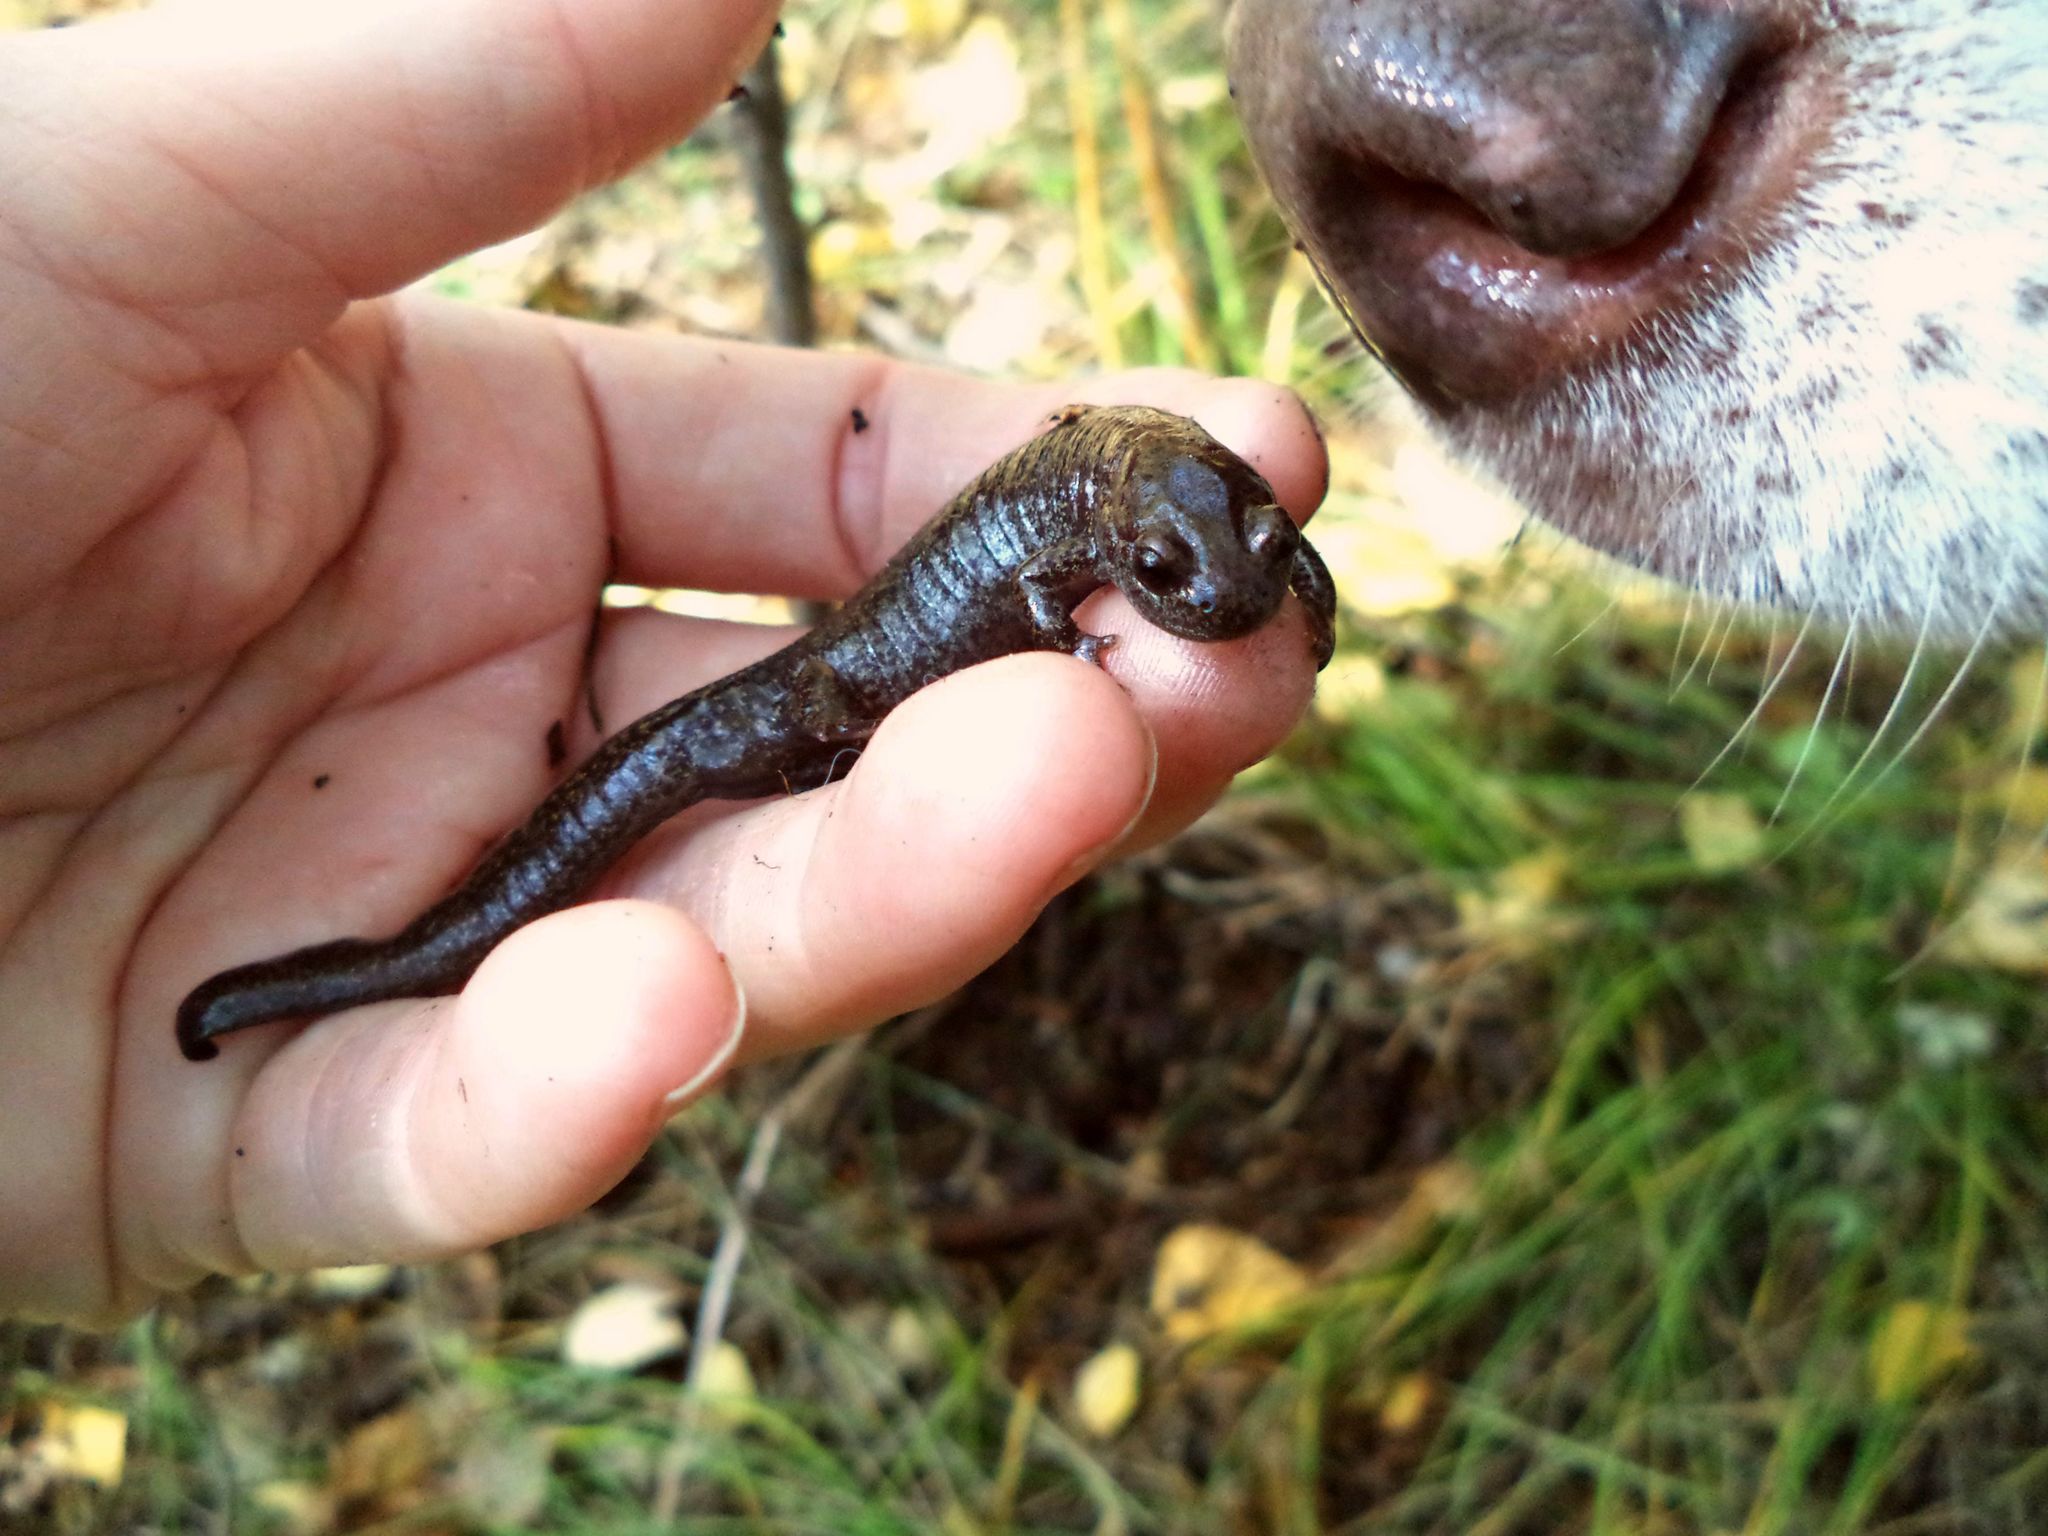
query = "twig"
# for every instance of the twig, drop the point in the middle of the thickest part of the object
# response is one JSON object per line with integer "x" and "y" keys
{"x": 715, "y": 1305}
{"x": 761, "y": 127}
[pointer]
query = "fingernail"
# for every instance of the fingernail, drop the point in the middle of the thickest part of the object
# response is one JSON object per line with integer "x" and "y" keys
{"x": 715, "y": 1064}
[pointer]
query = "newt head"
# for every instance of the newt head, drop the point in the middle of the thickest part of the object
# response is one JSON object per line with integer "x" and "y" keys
{"x": 1195, "y": 539}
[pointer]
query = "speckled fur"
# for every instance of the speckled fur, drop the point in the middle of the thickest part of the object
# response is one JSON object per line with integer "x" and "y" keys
{"x": 1860, "y": 428}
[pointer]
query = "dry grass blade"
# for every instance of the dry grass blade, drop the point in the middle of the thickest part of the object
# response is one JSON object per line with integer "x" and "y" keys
{"x": 1090, "y": 231}
{"x": 1154, "y": 192}
{"x": 825, "y": 1076}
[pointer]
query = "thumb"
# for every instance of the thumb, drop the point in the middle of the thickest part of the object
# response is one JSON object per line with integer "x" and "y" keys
{"x": 519, "y": 1103}
{"x": 221, "y": 156}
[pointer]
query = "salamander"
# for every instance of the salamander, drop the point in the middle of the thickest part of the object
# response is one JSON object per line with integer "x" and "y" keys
{"x": 1187, "y": 530}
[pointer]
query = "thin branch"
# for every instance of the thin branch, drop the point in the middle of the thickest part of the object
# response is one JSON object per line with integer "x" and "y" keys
{"x": 760, "y": 120}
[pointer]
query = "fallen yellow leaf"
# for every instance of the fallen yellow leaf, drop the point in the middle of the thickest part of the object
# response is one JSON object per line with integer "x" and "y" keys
{"x": 2024, "y": 676}
{"x": 349, "y": 1282}
{"x": 1722, "y": 832}
{"x": 1915, "y": 1344}
{"x": 1383, "y": 569}
{"x": 384, "y": 1456}
{"x": 929, "y": 22}
{"x": 725, "y": 1374}
{"x": 83, "y": 1443}
{"x": 296, "y": 1507}
{"x": 2005, "y": 925}
{"x": 1209, "y": 1279}
{"x": 845, "y": 245}
{"x": 624, "y": 1327}
{"x": 1106, "y": 1390}
{"x": 2020, "y": 801}
{"x": 910, "y": 1343}
{"x": 1519, "y": 909}
{"x": 1350, "y": 685}
{"x": 1408, "y": 1403}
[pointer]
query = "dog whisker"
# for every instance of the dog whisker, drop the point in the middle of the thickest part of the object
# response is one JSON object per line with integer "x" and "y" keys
{"x": 1839, "y": 803}
{"x": 1776, "y": 676}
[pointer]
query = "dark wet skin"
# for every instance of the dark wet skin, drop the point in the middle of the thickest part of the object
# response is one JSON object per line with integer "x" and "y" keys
{"x": 1124, "y": 496}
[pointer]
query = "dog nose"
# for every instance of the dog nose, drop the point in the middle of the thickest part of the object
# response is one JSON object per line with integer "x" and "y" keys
{"x": 1569, "y": 125}
{"x": 1498, "y": 191}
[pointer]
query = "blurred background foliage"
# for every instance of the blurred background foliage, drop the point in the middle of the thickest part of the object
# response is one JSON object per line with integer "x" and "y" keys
{"x": 1591, "y": 1080}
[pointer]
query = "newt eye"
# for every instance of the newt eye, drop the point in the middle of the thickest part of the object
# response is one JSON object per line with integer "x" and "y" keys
{"x": 1270, "y": 534}
{"x": 1163, "y": 561}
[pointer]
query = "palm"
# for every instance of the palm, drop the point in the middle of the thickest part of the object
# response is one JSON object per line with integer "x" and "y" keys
{"x": 400, "y": 680}
{"x": 397, "y": 671}
{"x": 301, "y": 584}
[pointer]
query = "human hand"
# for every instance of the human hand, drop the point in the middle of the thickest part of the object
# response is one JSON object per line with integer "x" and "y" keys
{"x": 296, "y": 580}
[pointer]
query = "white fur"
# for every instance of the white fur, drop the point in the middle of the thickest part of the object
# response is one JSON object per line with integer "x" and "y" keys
{"x": 1779, "y": 442}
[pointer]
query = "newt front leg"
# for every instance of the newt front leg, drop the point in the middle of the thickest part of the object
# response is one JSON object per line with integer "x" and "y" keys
{"x": 1309, "y": 580}
{"x": 1055, "y": 582}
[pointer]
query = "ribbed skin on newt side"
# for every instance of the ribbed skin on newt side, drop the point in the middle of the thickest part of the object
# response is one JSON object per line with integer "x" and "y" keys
{"x": 1128, "y": 495}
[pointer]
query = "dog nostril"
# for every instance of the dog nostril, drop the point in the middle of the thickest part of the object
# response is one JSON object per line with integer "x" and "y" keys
{"x": 1569, "y": 125}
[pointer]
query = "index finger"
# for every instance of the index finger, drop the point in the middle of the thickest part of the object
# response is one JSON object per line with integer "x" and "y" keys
{"x": 759, "y": 469}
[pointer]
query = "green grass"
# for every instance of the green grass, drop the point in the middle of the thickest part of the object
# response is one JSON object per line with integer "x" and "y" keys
{"x": 1736, "y": 1164}
{"x": 1710, "y": 1168}
{"x": 1709, "y": 1150}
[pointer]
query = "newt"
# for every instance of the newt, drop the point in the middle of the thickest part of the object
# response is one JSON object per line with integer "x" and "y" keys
{"x": 1148, "y": 501}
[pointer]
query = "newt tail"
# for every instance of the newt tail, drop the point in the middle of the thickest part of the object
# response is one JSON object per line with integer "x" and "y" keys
{"x": 635, "y": 781}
